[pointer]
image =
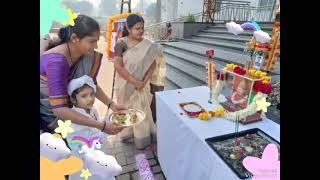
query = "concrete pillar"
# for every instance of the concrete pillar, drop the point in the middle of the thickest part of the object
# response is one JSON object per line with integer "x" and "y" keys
{"x": 158, "y": 11}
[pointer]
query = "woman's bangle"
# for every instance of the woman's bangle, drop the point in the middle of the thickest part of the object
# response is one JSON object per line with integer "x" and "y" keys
{"x": 110, "y": 104}
{"x": 104, "y": 126}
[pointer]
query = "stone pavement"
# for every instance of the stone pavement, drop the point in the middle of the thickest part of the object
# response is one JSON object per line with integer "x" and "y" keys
{"x": 125, "y": 155}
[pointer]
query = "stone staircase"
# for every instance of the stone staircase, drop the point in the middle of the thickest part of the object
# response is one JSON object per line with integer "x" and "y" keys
{"x": 186, "y": 60}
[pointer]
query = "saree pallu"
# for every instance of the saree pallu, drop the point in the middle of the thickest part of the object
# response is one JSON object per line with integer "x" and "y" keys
{"x": 137, "y": 61}
{"x": 87, "y": 65}
{"x": 157, "y": 80}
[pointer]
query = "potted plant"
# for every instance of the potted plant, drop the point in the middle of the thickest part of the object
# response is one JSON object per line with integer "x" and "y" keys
{"x": 190, "y": 18}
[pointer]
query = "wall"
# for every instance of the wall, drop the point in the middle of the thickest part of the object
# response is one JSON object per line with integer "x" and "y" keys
{"x": 168, "y": 9}
{"x": 186, "y": 29}
{"x": 172, "y": 9}
{"x": 189, "y": 6}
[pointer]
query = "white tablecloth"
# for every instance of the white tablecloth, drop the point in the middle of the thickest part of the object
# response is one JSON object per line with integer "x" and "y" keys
{"x": 182, "y": 150}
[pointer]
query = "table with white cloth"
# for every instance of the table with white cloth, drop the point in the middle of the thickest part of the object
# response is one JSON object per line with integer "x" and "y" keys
{"x": 182, "y": 151}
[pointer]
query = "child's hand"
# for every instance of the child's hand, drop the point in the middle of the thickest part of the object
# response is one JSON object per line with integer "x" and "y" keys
{"x": 113, "y": 128}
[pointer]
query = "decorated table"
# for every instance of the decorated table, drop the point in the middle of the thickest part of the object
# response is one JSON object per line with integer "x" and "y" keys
{"x": 182, "y": 150}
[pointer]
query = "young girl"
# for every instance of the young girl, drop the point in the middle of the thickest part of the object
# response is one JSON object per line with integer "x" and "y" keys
{"x": 82, "y": 95}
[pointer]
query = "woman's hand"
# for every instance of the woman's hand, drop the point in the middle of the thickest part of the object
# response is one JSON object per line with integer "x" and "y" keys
{"x": 118, "y": 107}
{"x": 112, "y": 128}
{"x": 139, "y": 85}
{"x": 145, "y": 81}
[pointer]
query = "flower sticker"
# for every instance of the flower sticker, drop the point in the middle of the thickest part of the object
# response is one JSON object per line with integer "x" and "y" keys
{"x": 266, "y": 168}
{"x": 64, "y": 128}
{"x": 51, "y": 11}
{"x": 262, "y": 104}
{"x": 85, "y": 173}
{"x": 72, "y": 16}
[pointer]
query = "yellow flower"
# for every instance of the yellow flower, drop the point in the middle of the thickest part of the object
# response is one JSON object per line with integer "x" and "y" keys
{"x": 263, "y": 74}
{"x": 252, "y": 71}
{"x": 266, "y": 78}
{"x": 204, "y": 116}
{"x": 265, "y": 82}
{"x": 257, "y": 74}
{"x": 219, "y": 112}
{"x": 230, "y": 66}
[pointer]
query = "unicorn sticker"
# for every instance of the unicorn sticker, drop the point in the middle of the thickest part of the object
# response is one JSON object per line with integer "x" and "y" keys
{"x": 87, "y": 145}
{"x": 99, "y": 164}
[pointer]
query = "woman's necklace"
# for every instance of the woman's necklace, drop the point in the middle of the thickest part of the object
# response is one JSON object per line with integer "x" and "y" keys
{"x": 71, "y": 61}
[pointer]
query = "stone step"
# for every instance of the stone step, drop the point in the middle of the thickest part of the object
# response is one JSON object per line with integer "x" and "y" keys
{"x": 224, "y": 36}
{"x": 188, "y": 64}
{"x": 223, "y": 56}
{"x": 223, "y": 26}
{"x": 224, "y": 31}
{"x": 192, "y": 59}
{"x": 261, "y": 24}
{"x": 220, "y": 54}
{"x": 191, "y": 70}
{"x": 170, "y": 85}
{"x": 181, "y": 79}
{"x": 219, "y": 40}
{"x": 232, "y": 38}
{"x": 216, "y": 43}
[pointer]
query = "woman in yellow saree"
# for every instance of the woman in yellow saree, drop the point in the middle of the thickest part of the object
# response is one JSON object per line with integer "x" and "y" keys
{"x": 138, "y": 62}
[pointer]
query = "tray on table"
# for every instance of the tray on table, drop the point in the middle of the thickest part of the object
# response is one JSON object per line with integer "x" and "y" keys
{"x": 228, "y": 141}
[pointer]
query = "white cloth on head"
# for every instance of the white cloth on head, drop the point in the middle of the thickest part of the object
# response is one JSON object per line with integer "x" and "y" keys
{"x": 79, "y": 82}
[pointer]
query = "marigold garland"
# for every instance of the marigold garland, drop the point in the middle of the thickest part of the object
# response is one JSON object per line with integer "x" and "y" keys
{"x": 110, "y": 28}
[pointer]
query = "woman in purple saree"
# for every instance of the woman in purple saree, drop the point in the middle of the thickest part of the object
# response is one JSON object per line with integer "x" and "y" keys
{"x": 73, "y": 58}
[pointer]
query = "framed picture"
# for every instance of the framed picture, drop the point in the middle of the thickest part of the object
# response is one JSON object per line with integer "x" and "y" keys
{"x": 238, "y": 93}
